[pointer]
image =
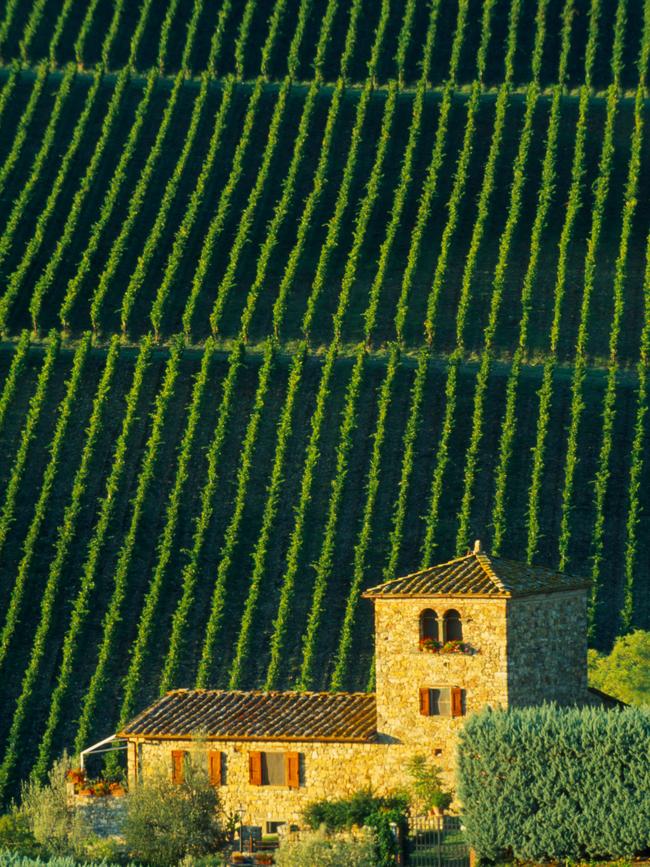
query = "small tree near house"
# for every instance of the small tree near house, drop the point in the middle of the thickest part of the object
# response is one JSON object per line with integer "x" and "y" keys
{"x": 168, "y": 820}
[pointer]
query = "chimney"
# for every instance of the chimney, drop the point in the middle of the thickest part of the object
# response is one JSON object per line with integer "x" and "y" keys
{"x": 477, "y": 547}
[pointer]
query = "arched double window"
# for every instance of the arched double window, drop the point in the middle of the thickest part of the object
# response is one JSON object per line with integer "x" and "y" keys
{"x": 452, "y": 627}
{"x": 429, "y": 624}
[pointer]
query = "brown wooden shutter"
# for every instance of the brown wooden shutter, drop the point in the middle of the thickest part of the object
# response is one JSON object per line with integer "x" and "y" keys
{"x": 255, "y": 768}
{"x": 425, "y": 701}
{"x": 214, "y": 767}
{"x": 456, "y": 701}
{"x": 292, "y": 770}
{"x": 178, "y": 766}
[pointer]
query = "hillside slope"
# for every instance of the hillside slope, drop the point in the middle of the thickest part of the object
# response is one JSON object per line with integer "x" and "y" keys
{"x": 296, "y": 296}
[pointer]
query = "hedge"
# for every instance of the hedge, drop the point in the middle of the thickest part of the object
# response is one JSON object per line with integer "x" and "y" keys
{"x": 549, "y": 782}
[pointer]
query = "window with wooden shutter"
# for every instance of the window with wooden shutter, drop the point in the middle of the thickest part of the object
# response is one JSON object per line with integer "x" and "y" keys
{"x": 425, "y": 701}
{"x": 178, "y": 766}
{"x": 255, "y": 768}
{"x": 292, "y": 770}
{"x": 214, "y": 767}
{"x": 456, "y": 701}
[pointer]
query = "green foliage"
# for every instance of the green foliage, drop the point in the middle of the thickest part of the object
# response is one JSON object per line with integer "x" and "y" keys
{"x": 16, "y": 835}
{"x": 551, "y": 783}
{"x": 57, "y": 827}
{"x": 427, "y": 784}
{"x": 319, "y": 849}
{"x": 362, "y": 809}
{"x": 625, "y": 672}
{"x": 84, "y": 593}
{"x": 166, "y": 821}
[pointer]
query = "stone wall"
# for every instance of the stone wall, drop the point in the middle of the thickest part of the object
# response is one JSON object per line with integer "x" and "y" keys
{"x": 402, "y": 668}
{"x": 547, "y": 649}
{"x": 327, "y": 770}
{"x": 103, "y": 815}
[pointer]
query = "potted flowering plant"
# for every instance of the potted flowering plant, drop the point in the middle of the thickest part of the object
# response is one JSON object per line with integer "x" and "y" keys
{"x": 430, "y": 645}
{"x": 76, "y": 776}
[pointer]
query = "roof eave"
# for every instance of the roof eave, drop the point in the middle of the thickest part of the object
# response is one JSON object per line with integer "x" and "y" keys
{"x": 247, "y": 738}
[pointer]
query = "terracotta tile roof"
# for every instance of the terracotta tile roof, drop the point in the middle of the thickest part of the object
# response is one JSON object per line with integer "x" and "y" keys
{"x": 235, "y": 715}
{"x": 478, "y": 574}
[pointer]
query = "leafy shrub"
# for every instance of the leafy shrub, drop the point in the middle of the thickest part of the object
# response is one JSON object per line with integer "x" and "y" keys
{"x": 362, "y": 809}
{"x": 16, "y": 834}
{"x": 318, "y": 849}
{"x": 166, "y": 821}
{"x": 625, "y": 673}
{"x": 427, "y": 784}
{"x": 52, "y": 821}
{"x": 549, "y": 783}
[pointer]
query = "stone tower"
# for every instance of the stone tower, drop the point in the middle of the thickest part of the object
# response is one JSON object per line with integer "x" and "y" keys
{"x": 472, "y": 632}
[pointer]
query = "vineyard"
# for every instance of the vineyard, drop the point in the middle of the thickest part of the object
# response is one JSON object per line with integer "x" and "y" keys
{"x": 297, "y": 296}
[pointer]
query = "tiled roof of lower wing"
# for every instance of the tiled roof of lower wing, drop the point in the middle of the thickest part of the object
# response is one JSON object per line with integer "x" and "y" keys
{"x": 478, "y": 574}
{"x": 235, "y": 715}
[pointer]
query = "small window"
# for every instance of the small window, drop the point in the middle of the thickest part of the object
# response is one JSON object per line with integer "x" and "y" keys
{"x": 429, "y": 624}
{"x": 274, "y": 769}
{"x": 441, "y": 701}
{"x": 452, "y": 626}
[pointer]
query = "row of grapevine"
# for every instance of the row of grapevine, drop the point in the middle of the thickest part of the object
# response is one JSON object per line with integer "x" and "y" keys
{"x": 487, "y": 187}
{"x": 601, "y": 191}
{"x": 10, "y": 383}
{"x": 113, "y": 612}
{"x": 20, "y": 204}
{"x": 348, "y": 416}
{"x": 80, "y": 606}
{"x": 545, "y": 197}
{"x": 246, "y": 218}
{"x": 516, "y": 192}
{"x": 284, "y": 426}
{"x": 574, "y": 203}
{"x": 609, "y": 403}
{"x": 219, "y": 593}
{"x": 41, "y": 506}
{"x": 498, "y": 284}
{"x": 185, "y": 604}
{"x": 231, "y": 535}
{"x": 154, "y": 237}
{"x": 26, "y": 117}
{"x": 65, "y": 535}
{"x": 323, "y": 566}
{"x": 31, "y": 26}
{"x": 189, "y": 573}
{"x": 637, "y": 459}
{"x": 120, "y": 173}
{"x": 26, "y": 437}
{"x": 189, "y": 218}
{"x": 15, "y": 279}
{"x": 140, "y": 647}
{"x": 218, "y": 221}
{"x": 141, "y": 188}
{"x": 20, "y": 133}
{"x": 279, "y": 215}
{"x": 242, "y": 649}
{"x": 189, "y": 577}
{"x": 313, "y": 449}
{"x": 457, "y": 192}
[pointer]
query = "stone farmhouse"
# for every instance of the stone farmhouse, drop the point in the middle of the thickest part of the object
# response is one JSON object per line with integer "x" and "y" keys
{"x": 449, "y": 640}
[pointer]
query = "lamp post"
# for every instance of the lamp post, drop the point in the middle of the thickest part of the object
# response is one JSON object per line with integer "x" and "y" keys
{"x": 241, "y": 810}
